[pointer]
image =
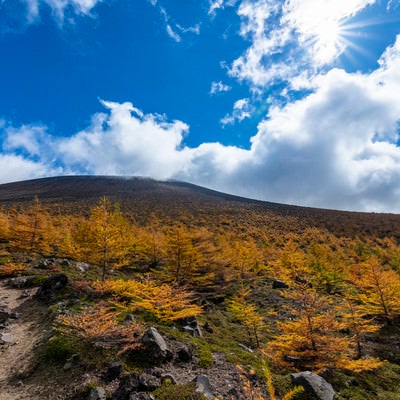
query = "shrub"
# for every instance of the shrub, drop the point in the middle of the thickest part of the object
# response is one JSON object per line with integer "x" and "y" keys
{"x": 58, "y": 349}
{"x": 178, "y": 392}
{"x": 205, "y": 356}
{"x": 10, "y": 270}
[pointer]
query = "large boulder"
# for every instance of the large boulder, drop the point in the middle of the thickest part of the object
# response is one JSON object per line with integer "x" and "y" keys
{"x": 155, "y": 345}
{"x": 50, "y": 286}
{"x": 314, "y": 384}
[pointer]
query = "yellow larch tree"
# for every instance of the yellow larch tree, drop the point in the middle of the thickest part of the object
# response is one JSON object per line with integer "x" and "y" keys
{"x": 164, "y": 301}
{"x": 378, "y": 289}
{"x": 31, "y": 228}
{"x": 105, "y": 238}
{"x": 247, "y": 314}
{"x": 4, "y": 225}
{"x": 184, "y": 255}
{"x": 311, "y": 340}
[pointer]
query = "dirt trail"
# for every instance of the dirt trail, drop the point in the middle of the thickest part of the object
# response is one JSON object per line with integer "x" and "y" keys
{"x": 20, "y": 336}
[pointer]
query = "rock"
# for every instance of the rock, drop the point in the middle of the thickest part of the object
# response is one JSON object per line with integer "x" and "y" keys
{"x": 277, "y": 284}
{"x": 184, "y": 353}
{"x": 148, "y": 382}
{"x": 5, "y": 338}
{"x": 65, "y": 263}
{"x": 46, "y": 264}
{"x": 191, "y": 325}
{"x": 314, "y": 384}
{"x": 21, "y": 282}
{"x": 4, "y": 316}
{"x": 141, "y": 396}
{"x": 244, "y": 347}
{"x": 127, "y": 385}
{"x": 97, "y": 393}
{"x": 129, "y": 319}
{"x": 296, "y": 361}
{"x": 203, "y": 386}
{"x": 51, "y": 285}
{"x": 113, "y": 371}
{"x": 208, "y": 328}
{"x": 155, "y": 345}
{"x": 14, "y": 315}
{"x": 72, "y": 362}
{"x": 189, "y": 329}
{"x": 82, "y": 266}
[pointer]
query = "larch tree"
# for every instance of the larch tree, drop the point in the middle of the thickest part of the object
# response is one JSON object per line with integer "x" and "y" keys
{"x": 183, "y": 255}
{"x": 247, "y": 314}
{"x": 358, "y": 323}
{"x": 309, "y": 340}
{"x": 315, "y": 340}
{"x": 378, "y": 289}
{"x": 4, "y": 225}
{"x": 31, "y": 229}
{"x": 327, "y": 267}
{"x": 105, "y": 238}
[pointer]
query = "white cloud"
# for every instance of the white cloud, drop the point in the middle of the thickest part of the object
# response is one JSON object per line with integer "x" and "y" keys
{"x": 59, "y": 7}
{"x": 129, "y": 143}
{"x": 29, "y": 138}
{"x": 219, "y": 4}
{"x": 219, "y": 87}
{"x": 191, "y": 29}
{"x": 172, "y": 34}
{"x": 15, "y": 168}
{"x": 336, "y": 148}
{"x": 291, "y": 38}
{"x": 242, "y": 109}
{"x": 215, "y": 5}
{"x": 174, "y": 31}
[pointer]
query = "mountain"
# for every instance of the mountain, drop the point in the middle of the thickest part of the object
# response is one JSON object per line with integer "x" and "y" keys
{"x": 144, "y": 197}
{"x": 179, "y": 289}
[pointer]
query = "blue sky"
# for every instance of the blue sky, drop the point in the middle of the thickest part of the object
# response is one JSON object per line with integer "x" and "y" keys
{"x": 294, "y": 101}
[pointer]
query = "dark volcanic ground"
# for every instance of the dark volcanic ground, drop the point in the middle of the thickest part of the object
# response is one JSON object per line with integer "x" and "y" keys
{"x": 173, "y": 199}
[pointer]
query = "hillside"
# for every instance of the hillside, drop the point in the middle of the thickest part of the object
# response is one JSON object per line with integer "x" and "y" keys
{"x": 145, "y": 197}
{"x": 138, "y": 289}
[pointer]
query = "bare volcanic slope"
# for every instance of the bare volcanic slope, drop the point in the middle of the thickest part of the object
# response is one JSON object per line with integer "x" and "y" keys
{"x": 178, "y": 200}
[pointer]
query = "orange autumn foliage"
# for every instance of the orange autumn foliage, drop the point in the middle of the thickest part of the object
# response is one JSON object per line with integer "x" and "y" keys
{"x": 166, "y": 302}
{"x": 99, "y": 326}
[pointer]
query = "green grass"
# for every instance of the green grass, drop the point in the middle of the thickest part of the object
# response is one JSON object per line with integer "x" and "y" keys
{"x": 58, "y": 349}
{"x": 178, "y": 392}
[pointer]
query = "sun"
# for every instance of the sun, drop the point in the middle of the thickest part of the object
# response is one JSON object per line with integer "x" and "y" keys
{"x": 328, "y": 33}
{"x": 328, "y": 40}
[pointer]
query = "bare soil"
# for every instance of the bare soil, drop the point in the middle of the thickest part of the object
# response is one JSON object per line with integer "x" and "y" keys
{"x": 22, "y": 336}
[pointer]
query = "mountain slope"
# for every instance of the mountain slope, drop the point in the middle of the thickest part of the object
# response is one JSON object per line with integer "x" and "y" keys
{"x": 145, "y": 197}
